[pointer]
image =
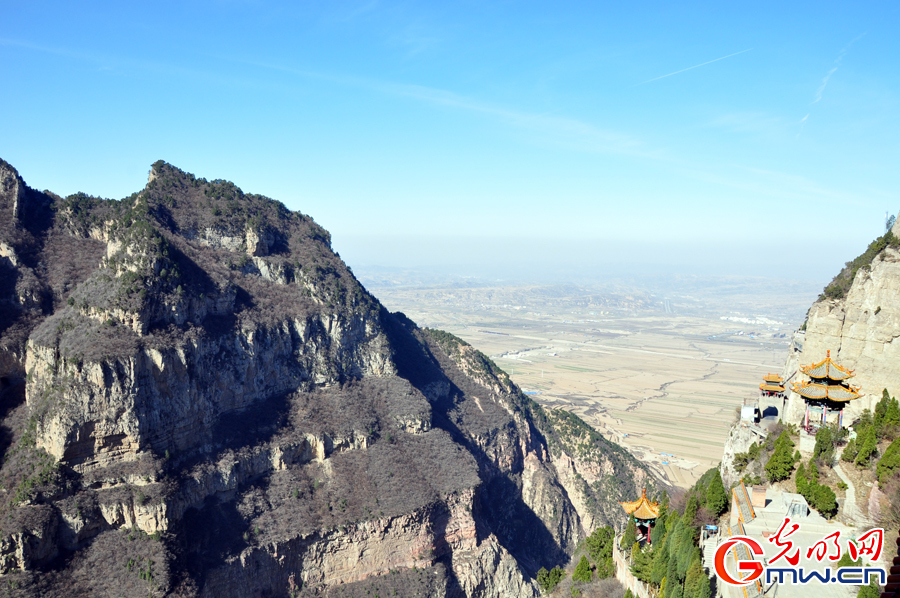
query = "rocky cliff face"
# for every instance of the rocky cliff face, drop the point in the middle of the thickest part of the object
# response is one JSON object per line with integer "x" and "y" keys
{"x": 199, "y": 399}
{"x": 860, "y": 330}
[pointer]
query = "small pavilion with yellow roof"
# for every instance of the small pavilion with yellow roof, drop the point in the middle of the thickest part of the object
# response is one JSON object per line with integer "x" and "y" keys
{"x": 772, "y": 386}
{"x": 827, "y": 388}
{"x": 644, "y": 513}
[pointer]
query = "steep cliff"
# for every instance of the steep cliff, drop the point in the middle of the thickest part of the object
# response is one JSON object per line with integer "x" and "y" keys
{"x": 198, "y": 398}
{"x": 858, "y": 320}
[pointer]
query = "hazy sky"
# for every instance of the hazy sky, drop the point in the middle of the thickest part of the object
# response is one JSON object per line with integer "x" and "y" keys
{"x": 758, "y": 137}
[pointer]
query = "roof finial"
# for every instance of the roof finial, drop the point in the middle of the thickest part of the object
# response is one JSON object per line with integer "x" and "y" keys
{"x": 827, "y": 353}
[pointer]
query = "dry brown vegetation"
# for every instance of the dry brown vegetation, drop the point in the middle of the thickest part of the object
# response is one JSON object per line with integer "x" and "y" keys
{"x": 175, "y": 262}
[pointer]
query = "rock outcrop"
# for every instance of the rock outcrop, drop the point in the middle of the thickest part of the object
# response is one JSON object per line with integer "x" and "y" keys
{"x": 198, "y": 398}
{"x": 861, "y": 331}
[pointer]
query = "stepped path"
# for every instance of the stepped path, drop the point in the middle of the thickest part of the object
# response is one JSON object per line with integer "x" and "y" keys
{"x": 851, "y": 510}
{"x": 709, "y": 554}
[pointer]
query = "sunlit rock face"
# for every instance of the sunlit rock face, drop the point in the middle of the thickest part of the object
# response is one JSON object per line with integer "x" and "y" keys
{"x": 860, "y": 330}
{"x": 199, "y": 398}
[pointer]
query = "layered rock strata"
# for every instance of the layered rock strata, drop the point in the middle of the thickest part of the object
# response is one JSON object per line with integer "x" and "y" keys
{"x": 199, "y": 399}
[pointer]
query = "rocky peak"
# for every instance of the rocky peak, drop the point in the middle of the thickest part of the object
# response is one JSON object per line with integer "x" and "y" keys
{"x": 193, "y": 377}
{"x": 860, "y": 328}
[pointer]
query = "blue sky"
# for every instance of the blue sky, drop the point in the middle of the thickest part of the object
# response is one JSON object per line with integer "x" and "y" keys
{"x": 753, "y": 138}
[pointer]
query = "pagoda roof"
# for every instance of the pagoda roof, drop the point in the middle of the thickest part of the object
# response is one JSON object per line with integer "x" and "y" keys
{"x": 773, "y": 378}
{"x": 642, "y": 508}
{"x": 827, "y": 369}
{"x": 771, "y": 387}
{"x": 831, "y": 392}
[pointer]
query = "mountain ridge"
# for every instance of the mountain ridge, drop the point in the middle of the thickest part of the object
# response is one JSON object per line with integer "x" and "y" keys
{"x": 195, "y": 384}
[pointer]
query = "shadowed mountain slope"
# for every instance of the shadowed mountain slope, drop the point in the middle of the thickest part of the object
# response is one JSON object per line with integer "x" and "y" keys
{"x": 198, "y": 398}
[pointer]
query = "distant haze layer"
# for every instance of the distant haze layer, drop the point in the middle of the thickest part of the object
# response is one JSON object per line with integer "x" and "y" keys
{"x": 557, "y": 259}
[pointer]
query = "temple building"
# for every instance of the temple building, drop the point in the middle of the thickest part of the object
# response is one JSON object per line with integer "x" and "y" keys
{"x": 772, "y": 386}
{"x": 827, "y": 389}
{"x": 644, "y": 513}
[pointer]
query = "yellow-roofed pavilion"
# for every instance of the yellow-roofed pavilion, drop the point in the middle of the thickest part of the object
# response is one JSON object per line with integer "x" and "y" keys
{"x": 826, "y": 389}
{"x": 772, "y": 385}
{"x": 644, "y": 513}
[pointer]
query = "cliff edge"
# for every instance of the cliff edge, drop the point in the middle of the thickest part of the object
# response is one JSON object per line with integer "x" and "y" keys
{"x": 198, "y": 398}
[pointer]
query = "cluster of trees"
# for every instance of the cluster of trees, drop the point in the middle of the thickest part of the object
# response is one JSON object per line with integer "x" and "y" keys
{"x": 819, "y": 496}
{"x": 548, "y": 580}
{"x": 674, "y": 563}
{"x": 742, "y": 460}
{"x": 884, "y": 424}
{"x": 780, "y": 465}
{"x": 599, "y": 547}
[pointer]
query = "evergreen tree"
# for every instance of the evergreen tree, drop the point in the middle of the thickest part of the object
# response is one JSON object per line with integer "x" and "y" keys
{"x": 889, "y": 462}
{"x": 781, "y": 464}
{"x": 641, "y": 563}
{"x": 660, "y": 563}
{"x": 850, "y": 451}
{"x": 583, "y": 571}
{"x": 880, "y": 410}
{"x": 548, "y": 580}
{"x": 890, "y": 423}
{"x": 675, "y": 592}
{"x": 696, "y": 583}
{"x": 812, "y": 474}
{"x": 800, "y": 479}
{"x": 690, "y": 510}
{"x": 869, "y": 591}
{"x": 824, "y": 500}
{"x": 672, "y": 571}
{"x": 824, "y": 448}
{"x": 630, "y": 535}
{"x": 658, "y": 532}
{"x": 716, "y": 498}
{"x": 867, "y": 447}
{"x": 599, "y": 545}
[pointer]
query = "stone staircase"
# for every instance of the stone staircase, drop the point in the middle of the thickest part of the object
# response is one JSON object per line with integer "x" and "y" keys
{"x": 709, "y": 553}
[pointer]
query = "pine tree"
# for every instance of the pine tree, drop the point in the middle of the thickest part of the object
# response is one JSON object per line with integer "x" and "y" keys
{"x": 658, "y": 532}
{"x": 696, "y": 583}
{"x": 690, "y": 510}
{"x": 583, "y": 571}
{"x": 642, "y": 563}
{"x": 716, "y": 498}
{"x": 850, "y": 451}
{"x": 660, "y": 562}
{"x": 891, "y": 422}
{"x": 800, "y": 479}
{"x": 824, "y": 500}
{"x": 781, "y": 463}
{"x": 824, "y": 448}
{"x": 889, "y": 462}
{"x": 867, "y": 447}
{"x": 630, "y": 535}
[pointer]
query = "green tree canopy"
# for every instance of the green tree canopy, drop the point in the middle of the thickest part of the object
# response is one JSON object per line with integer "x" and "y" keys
{"x": 868, "y": 446}
{"x": 583, "y": 571}
{"x": 630, "y": 535}
{"x": 781, "y": 464}
{"x": 548, "y": 580}
{"x": 716, "y": 498}
{"x": 889, "y": 462}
